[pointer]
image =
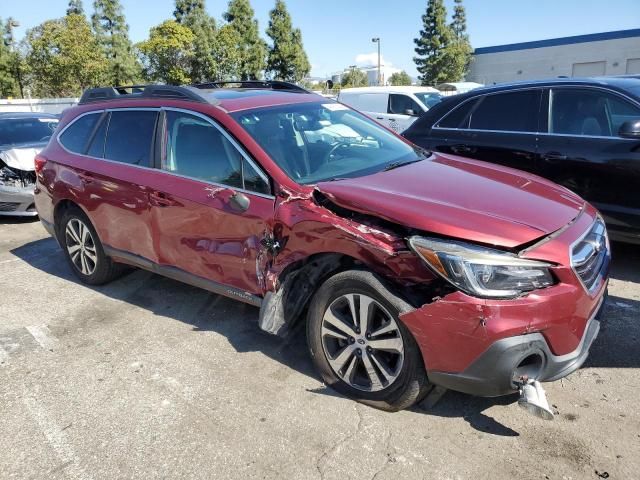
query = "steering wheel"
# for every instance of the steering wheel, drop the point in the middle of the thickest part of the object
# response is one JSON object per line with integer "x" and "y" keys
{"x": 334, "y": 149}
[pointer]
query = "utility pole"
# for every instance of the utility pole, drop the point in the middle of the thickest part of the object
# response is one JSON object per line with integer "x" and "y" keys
{"x": 377, "y": 40}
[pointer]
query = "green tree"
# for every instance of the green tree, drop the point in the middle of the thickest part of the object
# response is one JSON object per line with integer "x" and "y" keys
{"x": 432, "y": 43}
{"x": 226, "y": 54}
{"x": 75, "y": 7}
{"x": 10, "y": 61}
{"x": 458, "y": 53}
{"x": 192, "y": 14}
{"x": 112, "y": 32}
{"x": 166, "y": 55}
{"x": 286, "y": 59}
{"x": 400, "y": 78}
{"x": 354, "y": 78}
{"x": 252, "y": 49}
{"x": 64, "y": 57}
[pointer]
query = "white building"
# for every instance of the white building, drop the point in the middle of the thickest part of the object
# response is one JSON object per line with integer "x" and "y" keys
{"x": 608, "y": 53}
{"x": 372, "y": 74}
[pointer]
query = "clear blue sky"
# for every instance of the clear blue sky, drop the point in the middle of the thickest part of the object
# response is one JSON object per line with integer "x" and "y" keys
{"x": 335, "y": 32}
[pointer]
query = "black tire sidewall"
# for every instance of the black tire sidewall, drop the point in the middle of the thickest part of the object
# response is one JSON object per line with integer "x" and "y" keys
{"x": 362, "y": 282}
{"x": 103, "y": 271}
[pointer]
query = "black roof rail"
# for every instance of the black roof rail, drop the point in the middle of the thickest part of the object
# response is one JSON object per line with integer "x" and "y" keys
{"x": 260, "y": 84}
{"x": 141, "y": 91}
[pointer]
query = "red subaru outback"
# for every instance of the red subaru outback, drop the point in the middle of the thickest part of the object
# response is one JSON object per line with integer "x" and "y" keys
{"x": 409, "y": 268}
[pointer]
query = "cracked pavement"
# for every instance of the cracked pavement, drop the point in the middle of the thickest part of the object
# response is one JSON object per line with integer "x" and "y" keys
{"x": 150, "y": 378}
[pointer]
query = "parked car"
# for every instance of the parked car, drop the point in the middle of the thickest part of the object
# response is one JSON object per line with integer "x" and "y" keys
{"x": 393, "y": 107}
{"x": 408, "y": 269}
{"x": 581, "y": 133}
{"x": 22, "y": 136}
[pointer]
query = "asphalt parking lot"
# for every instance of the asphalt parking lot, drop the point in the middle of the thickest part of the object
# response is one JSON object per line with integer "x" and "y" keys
{"x": 150, "y": 378}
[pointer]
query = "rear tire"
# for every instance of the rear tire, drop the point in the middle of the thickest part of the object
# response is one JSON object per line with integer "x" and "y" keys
{"x": 83, "y": 249}
{"x": 359, "y": 345}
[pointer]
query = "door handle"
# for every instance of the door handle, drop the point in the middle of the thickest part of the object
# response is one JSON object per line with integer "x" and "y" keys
{"x": 554, "y": 156}
{"x": 160, "y": 199}
{"x": 379, "y": 118}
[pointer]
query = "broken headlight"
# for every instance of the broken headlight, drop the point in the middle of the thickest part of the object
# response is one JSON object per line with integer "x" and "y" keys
{"x": 8, "y": 177}
{"x": 482, "y": 272}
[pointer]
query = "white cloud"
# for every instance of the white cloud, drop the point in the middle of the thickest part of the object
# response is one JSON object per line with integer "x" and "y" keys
{"x": 370, "y": 59}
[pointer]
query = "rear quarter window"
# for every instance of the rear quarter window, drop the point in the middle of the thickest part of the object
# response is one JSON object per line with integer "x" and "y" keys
{"x": 75, "y": 137}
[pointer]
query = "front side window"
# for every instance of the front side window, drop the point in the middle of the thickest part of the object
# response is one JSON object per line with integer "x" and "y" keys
{"x": 314, "y": 142}
{"x": 403, "y": 104}
{"x": 589, "y": 112}
{"x": 509, "y": 111}
{"x": 130, "y": 136}
{"x": 75, "y": 136}
{"x": 194, "y": 147}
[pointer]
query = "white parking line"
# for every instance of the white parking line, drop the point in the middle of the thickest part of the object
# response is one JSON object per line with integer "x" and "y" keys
{"x": 57, "y": 439}
{"x": 43, "y": 336}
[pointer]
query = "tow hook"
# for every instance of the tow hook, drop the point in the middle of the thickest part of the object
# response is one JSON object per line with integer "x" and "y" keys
{"x": 533, "y": 398}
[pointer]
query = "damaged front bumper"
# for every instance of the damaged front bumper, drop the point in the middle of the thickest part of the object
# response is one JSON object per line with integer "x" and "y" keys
{"x": 504, "y": 365}
{"x": 17, "y": 201}
{"x": 485, "y": 348}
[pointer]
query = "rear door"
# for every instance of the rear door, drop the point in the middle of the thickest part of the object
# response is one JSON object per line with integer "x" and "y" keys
{"x": 502, "y": 129}
{"x": 200, "y": 227}
{"x": 583, "y": 151}
{"x": 112, "y": 155}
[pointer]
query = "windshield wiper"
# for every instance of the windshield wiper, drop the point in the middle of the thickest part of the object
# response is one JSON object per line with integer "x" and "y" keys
{"x": 397, "y": 164}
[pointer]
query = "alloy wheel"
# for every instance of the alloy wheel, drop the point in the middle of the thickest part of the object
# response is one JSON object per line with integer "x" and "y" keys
{"x": 81, "y": 246}
{"x": 362, "y": 342}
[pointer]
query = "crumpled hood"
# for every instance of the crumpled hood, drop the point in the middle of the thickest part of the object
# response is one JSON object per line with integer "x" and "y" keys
{"x": 21, "y": 157}
{"x": 461, "y": 198}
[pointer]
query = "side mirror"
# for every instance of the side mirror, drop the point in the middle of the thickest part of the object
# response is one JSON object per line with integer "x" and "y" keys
{"x": 239, "y": 202}
{"x": 630, "y": 129}
{"x": 411, "y": 112}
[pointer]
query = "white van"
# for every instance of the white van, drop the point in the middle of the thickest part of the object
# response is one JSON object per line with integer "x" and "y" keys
{"x": 393, "y": 107}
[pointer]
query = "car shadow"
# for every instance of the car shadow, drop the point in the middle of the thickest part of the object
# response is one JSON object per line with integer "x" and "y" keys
{"x": 625, "y": 262}
{"x": 237, "y": 321}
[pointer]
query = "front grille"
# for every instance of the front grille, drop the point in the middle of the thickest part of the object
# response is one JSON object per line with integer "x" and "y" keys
{"x": 590, "y": 256}
{"x": 8, "y": 207}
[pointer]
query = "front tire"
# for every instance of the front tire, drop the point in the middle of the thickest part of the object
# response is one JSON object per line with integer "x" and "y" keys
{"x": 83, "y": 249}
{"x": 360, "y": 347}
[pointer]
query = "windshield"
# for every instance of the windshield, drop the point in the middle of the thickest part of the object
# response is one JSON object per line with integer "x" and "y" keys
{"x": 429, "y": 98}
{"x": 15, "y": 131}
{"x": 316, "y": 142}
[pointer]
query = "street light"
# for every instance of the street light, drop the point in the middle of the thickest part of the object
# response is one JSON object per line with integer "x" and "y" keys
{"x": 377, "y": 40}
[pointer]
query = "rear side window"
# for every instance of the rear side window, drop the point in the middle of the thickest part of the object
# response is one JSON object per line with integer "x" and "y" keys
{"x": 400, "y": 104}
{"x": 195, "y": 148}
{"x": 459, "y": 117}
{"x": 511, "y": 111}
{"x": 75, "y": 136}
{"x": 129, "y": 137}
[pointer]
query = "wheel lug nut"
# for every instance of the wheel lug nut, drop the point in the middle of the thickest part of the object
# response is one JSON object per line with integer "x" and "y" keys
{"x": 369, "y": 349}
{"x": 359, "y": 352}
{"x": 368, "y": 335}
{"x": 352, "y": 340}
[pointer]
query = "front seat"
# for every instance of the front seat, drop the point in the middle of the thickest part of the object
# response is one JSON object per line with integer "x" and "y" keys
{"x": 591, "y": 118}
